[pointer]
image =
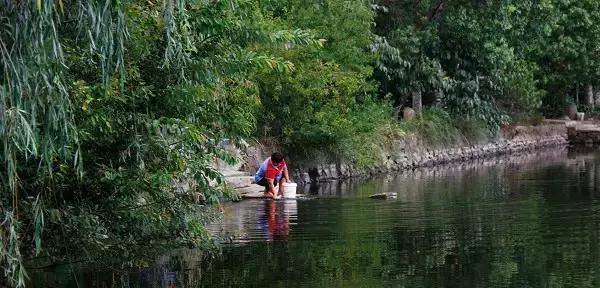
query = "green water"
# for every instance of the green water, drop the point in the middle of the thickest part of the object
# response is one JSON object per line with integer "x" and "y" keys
{"x": 526, "y": 221}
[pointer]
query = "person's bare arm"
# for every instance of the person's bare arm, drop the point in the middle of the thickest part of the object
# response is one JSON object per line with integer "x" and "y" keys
{"x": 286, "y": 175}
{"x": 271, "y": 189}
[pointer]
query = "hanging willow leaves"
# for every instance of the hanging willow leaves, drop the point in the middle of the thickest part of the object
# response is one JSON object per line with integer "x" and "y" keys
{"x": 111, "y": 115}
{"x": 36, "y": 120}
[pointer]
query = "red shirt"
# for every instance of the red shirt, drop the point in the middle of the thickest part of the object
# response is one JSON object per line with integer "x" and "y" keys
{"x": 272, "y": 171}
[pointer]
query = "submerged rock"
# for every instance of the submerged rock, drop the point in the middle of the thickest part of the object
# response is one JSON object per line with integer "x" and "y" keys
{"x": 389, "y": 195}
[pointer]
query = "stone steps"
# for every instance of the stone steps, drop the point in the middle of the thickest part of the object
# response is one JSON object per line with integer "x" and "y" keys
{"x": 586, "y": 128}
{"x": 242, "y": 182}
{"x": 251, "y": 190}
{"x": 255, "y": 195}
{"x": 590, "y": 129}
{"x": 233, "y": 173}
{"x": 239, "y": 181}
{"x": 584, "y": 132}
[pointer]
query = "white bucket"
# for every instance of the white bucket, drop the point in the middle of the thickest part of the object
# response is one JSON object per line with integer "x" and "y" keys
{"x": 289, "y": 190}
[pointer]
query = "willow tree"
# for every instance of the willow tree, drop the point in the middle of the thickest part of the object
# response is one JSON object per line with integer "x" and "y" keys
{"x": 36, "y": 120}
{"x": 111, "y": 112}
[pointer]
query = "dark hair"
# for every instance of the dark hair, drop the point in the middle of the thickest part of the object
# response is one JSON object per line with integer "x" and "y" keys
{"x": 276, "y": 157}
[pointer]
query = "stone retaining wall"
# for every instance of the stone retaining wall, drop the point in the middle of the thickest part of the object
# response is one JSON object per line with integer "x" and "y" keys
{"x": 584, "y": 136}
{"x": 410, "y": 153}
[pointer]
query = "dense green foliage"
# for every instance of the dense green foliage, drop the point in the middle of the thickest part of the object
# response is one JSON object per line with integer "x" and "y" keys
{"x": 486, "y": 59}
{"x": 324, "y": 108}
{"x": 112, "y": 111}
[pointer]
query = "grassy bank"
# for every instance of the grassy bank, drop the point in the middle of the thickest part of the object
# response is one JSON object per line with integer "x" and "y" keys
{"x": 437, "y": 128}
{"x": 368, "y": 132}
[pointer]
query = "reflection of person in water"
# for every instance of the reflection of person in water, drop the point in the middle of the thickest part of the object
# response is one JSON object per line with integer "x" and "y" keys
{"x": 276, "y": 221}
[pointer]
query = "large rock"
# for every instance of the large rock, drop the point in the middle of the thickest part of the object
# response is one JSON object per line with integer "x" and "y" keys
{"x": 408, "y": 114}
{"x": 314, "y": 174}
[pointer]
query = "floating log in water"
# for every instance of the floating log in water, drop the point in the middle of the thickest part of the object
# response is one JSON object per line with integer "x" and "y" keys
{"x": 389, "y": 195}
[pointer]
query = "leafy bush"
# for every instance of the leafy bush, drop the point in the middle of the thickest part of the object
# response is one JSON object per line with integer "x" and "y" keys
{"x": 357, "y": 135}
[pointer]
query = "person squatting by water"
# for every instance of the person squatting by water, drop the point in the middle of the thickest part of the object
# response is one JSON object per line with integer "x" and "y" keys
{"x": 270, "y": 173}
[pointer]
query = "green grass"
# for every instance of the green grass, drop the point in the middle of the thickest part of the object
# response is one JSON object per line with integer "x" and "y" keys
{"x": 437, "y": 128}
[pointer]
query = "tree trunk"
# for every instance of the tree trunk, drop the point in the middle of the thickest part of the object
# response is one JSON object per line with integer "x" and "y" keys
{"x": 597, "y": 97}
{"x": 577, "y": 94}
{"x": 589, "y": 96}
{"x": 417, "y": 102}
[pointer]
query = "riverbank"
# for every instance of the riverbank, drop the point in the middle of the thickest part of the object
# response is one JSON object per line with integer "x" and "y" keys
{"x": 411, "y": 152}
{"x": 408, "y": 152}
